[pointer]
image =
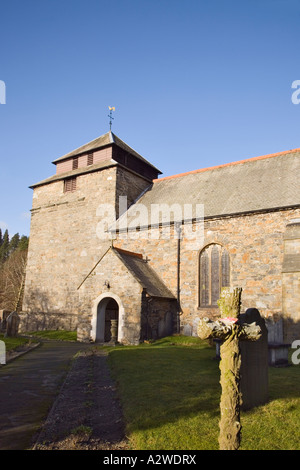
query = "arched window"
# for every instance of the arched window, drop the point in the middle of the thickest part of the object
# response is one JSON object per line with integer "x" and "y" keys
{"x": 214, "y": 274}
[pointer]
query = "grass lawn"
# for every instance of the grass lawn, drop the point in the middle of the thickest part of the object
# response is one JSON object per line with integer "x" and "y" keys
{"x": 170, "y": 394}
{"x": 13, "y": 343}
{"x": 60, "y": 335}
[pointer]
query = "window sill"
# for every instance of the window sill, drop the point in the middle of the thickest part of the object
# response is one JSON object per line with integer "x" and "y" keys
{"x": 207, "y": 307}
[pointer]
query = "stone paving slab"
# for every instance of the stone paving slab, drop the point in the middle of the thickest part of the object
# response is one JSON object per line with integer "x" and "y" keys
{"x": 87, "y": 414}
{"x": 28, "y": 387}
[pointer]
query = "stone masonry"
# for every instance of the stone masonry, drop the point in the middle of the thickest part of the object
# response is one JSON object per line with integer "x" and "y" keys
{"x": 251, "y": 210}
{"x": 64, "y": 245}
{"x": 256, "y": 257}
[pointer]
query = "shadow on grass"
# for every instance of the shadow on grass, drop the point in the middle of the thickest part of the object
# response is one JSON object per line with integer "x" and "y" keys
{"x": 161, "y": 385}
{"x": 284, "y": 382}
{"x": 170, "y": 394}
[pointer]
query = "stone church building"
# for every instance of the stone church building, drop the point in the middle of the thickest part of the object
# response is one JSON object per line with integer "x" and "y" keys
{"x": 111, "y": 239}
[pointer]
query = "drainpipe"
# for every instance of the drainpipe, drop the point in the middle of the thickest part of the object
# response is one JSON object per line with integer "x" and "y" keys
{"x": 178, "y": 232}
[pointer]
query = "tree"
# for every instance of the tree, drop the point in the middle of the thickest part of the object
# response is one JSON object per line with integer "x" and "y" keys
{"x": 14, "y": 243}
{"x": 23, "y": 243}
{"x": 4, "y": 248}
{"x": 11, "y": 279}
{"x": 13, "y": 257}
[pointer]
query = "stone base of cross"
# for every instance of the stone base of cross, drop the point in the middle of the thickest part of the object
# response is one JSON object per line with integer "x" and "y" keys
{"x": 230, "y": 331}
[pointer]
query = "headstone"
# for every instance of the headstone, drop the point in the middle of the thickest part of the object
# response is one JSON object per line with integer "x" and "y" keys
{"x": 12, "y": 324}
{"x": 3, "y": 316}
{"x": 278, "y": 350}
{"x": 2, "y": 353}
{"x": 218, "y": 343}
{"x": 275, "y": 330}
{"x": 254, "y": 366}
{"x": 187, "y": 330}
{"x": 165, "y": 325}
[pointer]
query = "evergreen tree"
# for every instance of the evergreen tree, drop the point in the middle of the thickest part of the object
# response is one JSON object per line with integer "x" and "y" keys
{"x": 23, "y": 243}
{"x": 1, "y": 239}
{"x": 4, "y": 249}
{"x": 14, "y": 243}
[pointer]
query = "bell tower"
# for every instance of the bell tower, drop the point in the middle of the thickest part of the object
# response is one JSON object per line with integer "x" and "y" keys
{"x": 64, "y": 244}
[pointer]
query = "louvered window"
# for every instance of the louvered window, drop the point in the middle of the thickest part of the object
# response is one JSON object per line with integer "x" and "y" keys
{"x": 69, "y": 185}
{"x": 214, "y": 273}
{"x": 90, "y": 159}
{"x": 75, "y": 163}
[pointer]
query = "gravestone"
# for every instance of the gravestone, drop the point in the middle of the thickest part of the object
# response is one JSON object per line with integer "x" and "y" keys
{"x": 165, "y": 325}
{"x": 2, "y": 353}
{"x": 278, "y": 350}
{"x": 12, "y": 324}
{"x": 3, "y": 316}
{"x": 254, "y": 365}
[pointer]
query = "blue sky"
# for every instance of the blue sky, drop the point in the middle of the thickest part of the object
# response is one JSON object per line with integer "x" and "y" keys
{"x": 195, "y": 83}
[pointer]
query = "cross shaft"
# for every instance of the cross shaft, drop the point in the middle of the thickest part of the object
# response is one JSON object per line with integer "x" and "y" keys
{"x": 230, "y": 331}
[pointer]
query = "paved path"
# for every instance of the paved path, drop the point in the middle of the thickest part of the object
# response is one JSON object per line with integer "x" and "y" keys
{"x": 28, "y": 388}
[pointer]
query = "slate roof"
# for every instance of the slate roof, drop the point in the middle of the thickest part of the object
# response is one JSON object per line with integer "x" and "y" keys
{"x": 103, "y": 141}
{"x": 144, "y": 274}
{"x": 268, "y": 182}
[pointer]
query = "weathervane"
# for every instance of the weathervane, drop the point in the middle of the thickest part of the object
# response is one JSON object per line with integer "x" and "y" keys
{"x": 111, "y": 109}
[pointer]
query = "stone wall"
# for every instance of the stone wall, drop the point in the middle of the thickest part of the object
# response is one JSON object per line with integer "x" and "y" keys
{"x": 129, "y": 185}
{"x": 110, "y": 279}
{"x": 65, "y": 245}
{"x": 291, "y": 281}
{"x": 34, "y": 321}
{"x": 255, "y": 245}
{"x": 63, "y": 241}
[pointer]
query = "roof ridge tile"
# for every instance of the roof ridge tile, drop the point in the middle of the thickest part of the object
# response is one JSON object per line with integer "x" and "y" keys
{"x": 238, "y": 162}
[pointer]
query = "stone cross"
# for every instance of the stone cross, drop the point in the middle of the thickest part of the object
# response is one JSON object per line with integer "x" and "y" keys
{"x": 230, "y": 331}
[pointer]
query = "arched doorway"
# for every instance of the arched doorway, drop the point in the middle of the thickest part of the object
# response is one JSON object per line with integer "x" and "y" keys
{"x": 107, "y": 317}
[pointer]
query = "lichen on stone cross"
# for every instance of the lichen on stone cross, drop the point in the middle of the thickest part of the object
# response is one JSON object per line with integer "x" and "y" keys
{"x": 229, "y": 330}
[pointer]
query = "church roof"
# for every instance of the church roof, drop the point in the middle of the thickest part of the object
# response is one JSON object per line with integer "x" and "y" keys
{"x": 268, "y": 182}
{"x": 144, "y": 274}
{"x": 103, "y": 141}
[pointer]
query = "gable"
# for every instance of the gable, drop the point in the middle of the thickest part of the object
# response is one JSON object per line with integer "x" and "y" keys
{"x": 117, "y": 263}
{"x": 144, "y": 274}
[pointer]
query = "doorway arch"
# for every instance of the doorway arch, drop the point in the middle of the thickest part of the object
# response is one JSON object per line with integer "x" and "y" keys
{"x": 107, "y": 307}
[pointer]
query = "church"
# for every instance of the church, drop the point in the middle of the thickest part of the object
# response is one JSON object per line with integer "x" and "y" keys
{"x": 112, "y": 242}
